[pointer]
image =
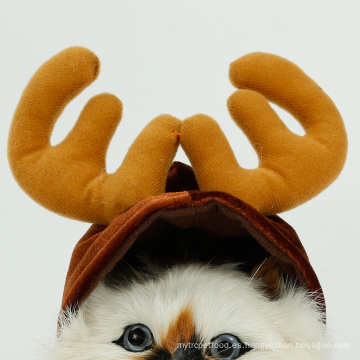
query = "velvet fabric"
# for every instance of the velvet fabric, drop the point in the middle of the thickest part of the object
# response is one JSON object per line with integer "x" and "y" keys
{"x": 292, "y": 169}
{"x": 216, "y": 213}
{"x": 70, "y": 178}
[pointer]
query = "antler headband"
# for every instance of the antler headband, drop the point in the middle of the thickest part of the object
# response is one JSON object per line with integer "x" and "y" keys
{"x": 71, "y": 179}
{"x": 292, "y": 168}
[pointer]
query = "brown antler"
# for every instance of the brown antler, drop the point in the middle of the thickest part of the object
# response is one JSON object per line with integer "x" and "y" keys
{"x": 70, "y": 178}
{"x": 292, "y": 168}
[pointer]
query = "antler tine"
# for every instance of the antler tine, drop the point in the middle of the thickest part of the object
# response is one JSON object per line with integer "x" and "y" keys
{"x": 70, "y": 178}
{"x": 292, "y": 168}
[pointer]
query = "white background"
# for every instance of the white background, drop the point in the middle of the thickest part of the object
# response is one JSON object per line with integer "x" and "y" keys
{"x": 172, "y": 57}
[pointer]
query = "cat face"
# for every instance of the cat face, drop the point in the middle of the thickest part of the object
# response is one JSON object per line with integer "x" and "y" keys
{"x": 192, "y": 311}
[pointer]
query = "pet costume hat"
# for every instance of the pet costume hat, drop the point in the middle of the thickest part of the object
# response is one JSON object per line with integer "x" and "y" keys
{"x": 219, "y": 198}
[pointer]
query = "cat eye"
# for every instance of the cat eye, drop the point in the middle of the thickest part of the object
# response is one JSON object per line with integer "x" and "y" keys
{"x": 227, "y": 347}
{"x": 136, "y": 338}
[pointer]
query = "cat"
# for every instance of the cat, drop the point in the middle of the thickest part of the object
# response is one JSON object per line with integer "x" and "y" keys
{"x": 188, "y": 299}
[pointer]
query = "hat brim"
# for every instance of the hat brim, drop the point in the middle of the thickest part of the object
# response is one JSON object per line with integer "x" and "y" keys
{"x": 217, "y": 213}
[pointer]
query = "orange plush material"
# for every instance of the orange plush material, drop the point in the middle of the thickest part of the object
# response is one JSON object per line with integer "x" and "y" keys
{"x": 292, "y": 168}
{"x": 70, "y": 178}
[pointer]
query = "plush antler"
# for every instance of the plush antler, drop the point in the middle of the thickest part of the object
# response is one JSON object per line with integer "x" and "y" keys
{"x": 70, "y": 178}
{"x": 292, "y": 168}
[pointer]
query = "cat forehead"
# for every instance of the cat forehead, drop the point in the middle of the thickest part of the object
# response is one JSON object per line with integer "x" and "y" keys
{"x": 216, "y": 300}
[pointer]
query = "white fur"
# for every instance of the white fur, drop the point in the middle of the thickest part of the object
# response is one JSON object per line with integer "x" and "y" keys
{"x": 222, "y": 301}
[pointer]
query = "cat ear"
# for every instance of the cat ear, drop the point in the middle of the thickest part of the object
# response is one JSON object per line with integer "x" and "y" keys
{"x": 292, "y": 168}
{"x": 70, "y": 178}
{"x": 271, "y": 275}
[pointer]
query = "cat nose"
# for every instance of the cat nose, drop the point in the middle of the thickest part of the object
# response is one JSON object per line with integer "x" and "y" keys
{"x": 191, "y": 351}
{"x": 179, "y": 354}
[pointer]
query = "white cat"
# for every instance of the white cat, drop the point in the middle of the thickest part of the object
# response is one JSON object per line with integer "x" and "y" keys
{"x": 191, "y": 310}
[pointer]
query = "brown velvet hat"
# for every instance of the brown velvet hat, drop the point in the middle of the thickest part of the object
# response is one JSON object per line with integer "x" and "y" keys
{"x": 215, "y": 213}
{"x": 148, "y": 195}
